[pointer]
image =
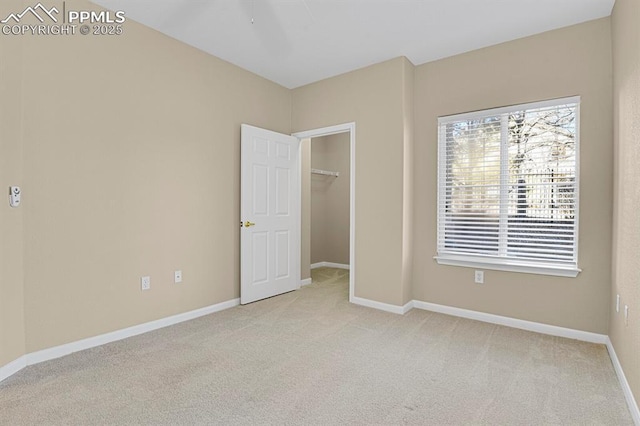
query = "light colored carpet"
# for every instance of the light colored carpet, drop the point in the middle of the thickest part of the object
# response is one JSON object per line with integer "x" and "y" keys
{"x": 310, "y": 357}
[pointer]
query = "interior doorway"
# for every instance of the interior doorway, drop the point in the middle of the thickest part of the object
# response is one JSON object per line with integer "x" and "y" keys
{"x": 329, "y": 189}
{"x": 347, "y": 131}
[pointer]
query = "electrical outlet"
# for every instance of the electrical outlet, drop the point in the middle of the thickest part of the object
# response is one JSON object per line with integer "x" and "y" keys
{"x": 617, "y": 303}
{"x": 177, "y": 277}
{"x": 479, "y": 277}
{"x": 626, "y": 315}
{"x": 145, "y": 283}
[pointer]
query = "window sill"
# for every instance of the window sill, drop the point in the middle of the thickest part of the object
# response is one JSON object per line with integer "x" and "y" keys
{"x": 509, "y": 266}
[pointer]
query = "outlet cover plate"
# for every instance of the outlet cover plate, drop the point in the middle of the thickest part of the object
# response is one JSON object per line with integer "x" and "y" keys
{"x": 145, "y": 283}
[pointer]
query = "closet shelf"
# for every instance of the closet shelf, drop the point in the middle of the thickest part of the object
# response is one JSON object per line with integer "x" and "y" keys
{"x": 325, "y": 172}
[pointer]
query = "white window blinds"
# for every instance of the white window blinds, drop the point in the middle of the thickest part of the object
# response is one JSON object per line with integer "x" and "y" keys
{"x": 508, "y": 185}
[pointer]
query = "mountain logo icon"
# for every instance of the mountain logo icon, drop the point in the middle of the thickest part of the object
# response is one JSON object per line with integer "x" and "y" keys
{"x": 39, "y": 11}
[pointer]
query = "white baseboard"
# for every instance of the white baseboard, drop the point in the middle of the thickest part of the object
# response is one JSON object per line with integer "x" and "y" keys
{"x": 306, "y": 281}
{"x": 394, "y": 309}
{"x": 13, "y": 367}
{"x": 626, "y": 389}
{"x": 408, "y": 306}
{"x": 484, "y": 317}
{"x": 513, "y": 322}
{"x": 329, "y": 265}
{"x": 91, "y": 342}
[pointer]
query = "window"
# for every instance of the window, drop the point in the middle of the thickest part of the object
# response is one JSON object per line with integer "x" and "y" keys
{"x": 508, "y": 188}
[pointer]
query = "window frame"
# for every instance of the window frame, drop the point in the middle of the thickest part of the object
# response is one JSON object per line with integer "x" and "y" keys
{"x": 496, "y": 262}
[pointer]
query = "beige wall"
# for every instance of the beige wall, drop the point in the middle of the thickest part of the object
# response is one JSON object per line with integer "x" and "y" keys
{"x": 330, "y": 200}
{"x": 626, "y": 231}
{"x": 565, "y": 62}
{"x": 12, "y": 337}
{"x": 371, "y": 97}
{"x": 131, "y": 168}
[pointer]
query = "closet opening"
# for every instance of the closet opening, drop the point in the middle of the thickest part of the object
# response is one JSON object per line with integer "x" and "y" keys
{"x": 327, "y": 206}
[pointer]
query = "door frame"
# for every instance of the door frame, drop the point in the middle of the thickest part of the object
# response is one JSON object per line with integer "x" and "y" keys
{"x": 332, "y": 130}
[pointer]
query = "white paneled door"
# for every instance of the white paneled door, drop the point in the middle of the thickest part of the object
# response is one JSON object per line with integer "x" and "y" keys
{"x": 270, "y": 214}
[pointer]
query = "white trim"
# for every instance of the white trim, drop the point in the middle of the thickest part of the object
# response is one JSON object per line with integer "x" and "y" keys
{"x": 330, "y": 265}
{"x": 332, "y": 130}
{"x": 624, "y": 384}
{"x": 576, "y": 234}
{"x": 91, "y": 342}
{"x": 394, "y": 309}
{"x": 408, "y": 306}
{"x": 13, "y": 367}
{"x": 508, "y": 265}
{"x": 325, "y": 131}
{"x": 306, "y": 281}
{"x": 536, "y": 327}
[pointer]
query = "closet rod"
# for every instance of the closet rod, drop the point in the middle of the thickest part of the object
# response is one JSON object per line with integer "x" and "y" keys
{"x": 325, "y": 172}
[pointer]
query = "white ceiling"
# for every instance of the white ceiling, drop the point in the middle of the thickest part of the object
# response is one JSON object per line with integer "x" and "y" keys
{"x": 295, "y": 42}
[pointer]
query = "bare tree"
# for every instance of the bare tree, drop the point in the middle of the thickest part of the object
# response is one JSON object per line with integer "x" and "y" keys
{"x": 532, "y": 135}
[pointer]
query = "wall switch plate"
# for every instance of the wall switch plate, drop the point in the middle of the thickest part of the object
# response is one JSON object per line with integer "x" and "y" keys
{"x": 177, "y": 277}
{"x": 145, "y": 283}
{"x": 479, "y": 277}
{"x": 617, "y": 303}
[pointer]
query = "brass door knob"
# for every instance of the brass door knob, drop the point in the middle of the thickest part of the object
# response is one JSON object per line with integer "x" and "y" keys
{"x": 248, "y": 224}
